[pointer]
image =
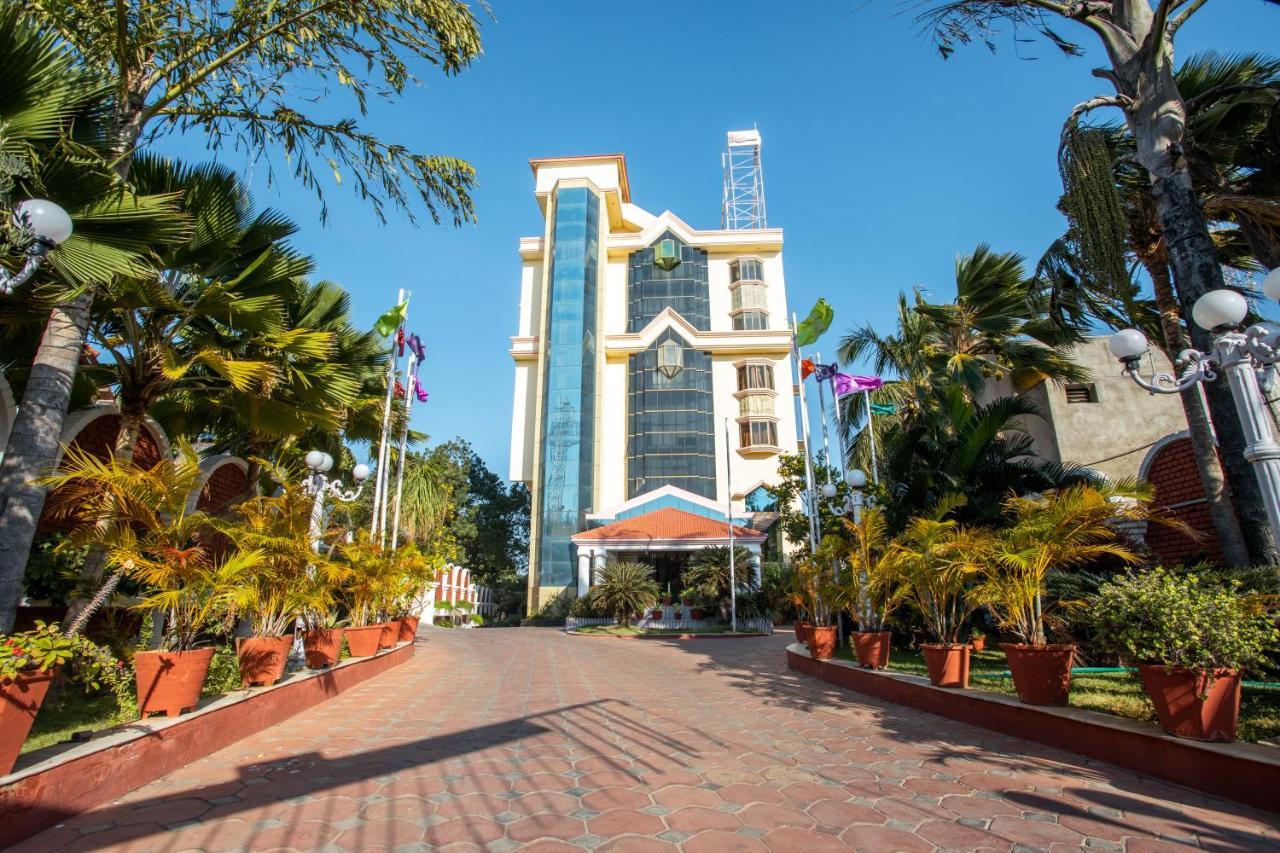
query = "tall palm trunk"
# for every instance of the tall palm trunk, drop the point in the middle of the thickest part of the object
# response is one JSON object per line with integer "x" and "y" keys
{"x": 1221, "y": 512}
{"x": 34, "y": 440}
{"x": 1156, "y": 116}
{"x": 33, "y": 445}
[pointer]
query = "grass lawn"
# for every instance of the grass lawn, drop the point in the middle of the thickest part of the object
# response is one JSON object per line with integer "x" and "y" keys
{"x": 1111, "y": 693}
{"x": 632, "y": 630}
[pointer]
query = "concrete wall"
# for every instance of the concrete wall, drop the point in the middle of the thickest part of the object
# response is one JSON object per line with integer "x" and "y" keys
{"x": 1112, "y": 435}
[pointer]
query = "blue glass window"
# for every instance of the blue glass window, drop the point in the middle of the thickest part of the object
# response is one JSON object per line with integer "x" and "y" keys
{"x": 567, "y": 442}
{"x": 671, "y": 440}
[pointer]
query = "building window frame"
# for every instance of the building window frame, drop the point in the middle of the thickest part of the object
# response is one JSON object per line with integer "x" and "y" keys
{"x": 737, "y": 316}
{"x": 1078, "y": 393}
{"x": 758, "y": 433}
{"x": 756, "y": 375}
{"x": 735, "y": 270}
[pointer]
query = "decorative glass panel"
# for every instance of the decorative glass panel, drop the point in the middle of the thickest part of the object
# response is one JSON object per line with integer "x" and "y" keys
{"x": 670, "y": 359}
{"x": 746, "y": 269}
{"x": 751, "y": 320}
{"x": 750, "y": 296}
{"x": 756, "y": 404}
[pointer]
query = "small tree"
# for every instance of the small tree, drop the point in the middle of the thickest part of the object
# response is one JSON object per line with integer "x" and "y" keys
{"x": 708, "y": 574}
{"x": 940, "y": 560}
{"x": 871, "y": 576}
{"x": 624, "y": 589}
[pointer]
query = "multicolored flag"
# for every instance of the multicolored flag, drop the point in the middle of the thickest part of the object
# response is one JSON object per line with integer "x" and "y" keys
{"x": 813, "y": 326}
{"x": 389, "y": 322}
{"x": 823, "y": 372}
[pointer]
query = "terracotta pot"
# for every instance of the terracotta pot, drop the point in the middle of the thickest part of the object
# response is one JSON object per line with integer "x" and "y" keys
{"x": 978, "y": 643}
{"x": 408, "y": 628}
{"x": 948, "y": 664}
{"x": 697, "y": 614}
{"x": 800, "y": 625}
{"x": 1198, "y": 704}
{"x": 322, "y": 647}
{"x": 822, "y": 642}
{"x": 1041, "y": 674}
{"x": 20, "y": 701}
{"x": 390, "y": 631}
{"x": 170, "y": 681}
{"x": 872, "y": 648}
{"x": 262, "y": 659}
{"x": 363, "y": 642}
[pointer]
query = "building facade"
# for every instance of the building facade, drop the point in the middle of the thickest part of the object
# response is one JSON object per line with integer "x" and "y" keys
{"x": 641, "y": 339}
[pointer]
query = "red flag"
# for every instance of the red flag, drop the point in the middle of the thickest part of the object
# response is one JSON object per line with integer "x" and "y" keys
{"x": 400, "y": 340}
{"x": 399, "y": 390}
{"x": 806, "y": 369}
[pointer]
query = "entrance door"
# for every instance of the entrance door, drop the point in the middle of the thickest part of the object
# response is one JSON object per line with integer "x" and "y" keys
{"x": 668, "y": 570}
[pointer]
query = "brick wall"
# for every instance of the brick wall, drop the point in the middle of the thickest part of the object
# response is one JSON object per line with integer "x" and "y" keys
{"x": 1176, "y": 480}
{"x": 225, "y": 484}
{"x": 98, "y": 437}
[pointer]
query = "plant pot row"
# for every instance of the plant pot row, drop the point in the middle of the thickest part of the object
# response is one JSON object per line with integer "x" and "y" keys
{"x": 170, "y": 682}
{"x": 1189, "y": 703}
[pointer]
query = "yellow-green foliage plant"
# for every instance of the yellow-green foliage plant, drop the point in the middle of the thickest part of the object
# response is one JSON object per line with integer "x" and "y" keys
{"x": 1060, "y": 529}
{"x": 412, "y": 573}
{"x": 292, "y": 579}
{"x": 940, "y": 561}
{"x": 371, "y": 583}
{"x": 146, "y": 522}
{"x": 873, "y": 583}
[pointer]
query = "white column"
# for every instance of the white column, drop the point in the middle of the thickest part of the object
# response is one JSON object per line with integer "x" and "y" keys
{"x": 1260, "y": 447}
{"x": 755, "y": 563}
{"x": 584, "y": 571}
{"x": 597, "y": 560}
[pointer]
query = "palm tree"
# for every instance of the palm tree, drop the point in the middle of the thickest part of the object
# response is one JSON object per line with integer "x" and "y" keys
{"x": 53, "y": 120}
{"x": 624, "y": 589}
{"x": 1060, "y": 529}
{"x": 708, "y": 574}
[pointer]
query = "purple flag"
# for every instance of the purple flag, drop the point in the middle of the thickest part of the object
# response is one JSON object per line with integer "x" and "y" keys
{"x": 843, "y": 383}
{"x": 419, "y": 351}
{"x": 823, "y": 372}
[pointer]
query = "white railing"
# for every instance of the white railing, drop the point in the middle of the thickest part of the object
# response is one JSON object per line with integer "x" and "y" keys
{"x": 758, "y": 625}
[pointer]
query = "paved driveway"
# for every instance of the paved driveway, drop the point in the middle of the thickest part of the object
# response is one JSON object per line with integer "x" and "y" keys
{"x": 505, "y": 738}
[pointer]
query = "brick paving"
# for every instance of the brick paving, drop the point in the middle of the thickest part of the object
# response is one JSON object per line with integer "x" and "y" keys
{"x": 527, "y": 738}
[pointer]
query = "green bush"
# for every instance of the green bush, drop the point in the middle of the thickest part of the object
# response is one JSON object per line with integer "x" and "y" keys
{"x": 584, "y": 607}
{"x": 1157, "y": 617}
{"x": 624, "y": 589}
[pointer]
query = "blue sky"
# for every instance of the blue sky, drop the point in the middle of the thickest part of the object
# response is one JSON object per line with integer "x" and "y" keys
{"x": 882, "y": 161}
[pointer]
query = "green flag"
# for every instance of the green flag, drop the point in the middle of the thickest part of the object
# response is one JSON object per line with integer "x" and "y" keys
{"x": 883, "y": 408}
{"x": 813, "y": 326}
{"x": 392, "y": 320}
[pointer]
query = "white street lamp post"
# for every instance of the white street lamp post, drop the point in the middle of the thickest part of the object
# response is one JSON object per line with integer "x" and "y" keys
{"x": 48, "y": 226}
{"x": 319, "y": 486}
{"x": 851, "y": 503}
{"x": 1240, "y": 356}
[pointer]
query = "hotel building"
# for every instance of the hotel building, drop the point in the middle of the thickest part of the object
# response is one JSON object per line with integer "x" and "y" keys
{"x": 640, "y": 340}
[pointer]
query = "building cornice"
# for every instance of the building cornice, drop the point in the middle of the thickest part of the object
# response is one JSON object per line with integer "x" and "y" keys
{"x": 755, "y": 342}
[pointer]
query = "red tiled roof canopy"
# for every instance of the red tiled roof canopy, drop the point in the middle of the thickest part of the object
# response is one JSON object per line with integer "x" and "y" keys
{"x": 668, "y": 524}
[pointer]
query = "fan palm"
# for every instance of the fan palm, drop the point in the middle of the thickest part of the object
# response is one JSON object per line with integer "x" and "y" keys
{"x": 53, "y": 118}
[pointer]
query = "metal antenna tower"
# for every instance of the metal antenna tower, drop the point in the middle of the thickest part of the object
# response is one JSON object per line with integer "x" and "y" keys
{"x": 743, "y": 205}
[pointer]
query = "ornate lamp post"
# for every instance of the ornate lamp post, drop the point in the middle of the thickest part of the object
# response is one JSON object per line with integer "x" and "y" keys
{"x": 48, "y": 226}
{"x": 319, "y": 486}
{"x": 1238, "y": 355}
{"x": 852, "y": 502}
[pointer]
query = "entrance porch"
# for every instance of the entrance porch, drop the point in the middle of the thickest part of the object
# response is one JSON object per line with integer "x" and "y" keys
{"x": 665, "y": 539}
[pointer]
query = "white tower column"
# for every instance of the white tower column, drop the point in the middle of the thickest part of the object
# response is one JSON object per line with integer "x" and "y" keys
{"x": 584, "y": 571}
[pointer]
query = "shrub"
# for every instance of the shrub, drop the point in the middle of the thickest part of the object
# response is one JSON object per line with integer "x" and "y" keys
{"x": 584, "y": 607}
{"x": 624, "y": 589}
{"x": 1157, "y": 617}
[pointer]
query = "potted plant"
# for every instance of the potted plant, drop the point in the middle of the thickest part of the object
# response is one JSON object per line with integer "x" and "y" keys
{"x": 28, "y": 663}
{"x": 939, "y": 560}
{"x": 1189, "y": 642}
{"x": 145, "y": 520}
{"x": 411, "y": 576}
{"x": 621, "y": 589}
{"x": 815, "y": 588}
{"x": 977, "y": 639}
{"x": 1060, "y": 529}
{"x": 290, "y": 576}
{"x": 874, "y": 586}
{"x": 365, "y": 591}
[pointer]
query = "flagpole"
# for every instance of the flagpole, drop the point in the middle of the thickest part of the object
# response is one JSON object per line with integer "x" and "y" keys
{"x": 835, "y": 401}
{"x": 728, "y": 487}
{"x": 404, "y": 441}
{"x": 871, "y": 436}
{"x": 822, "y": 404}
{"x": 377, "y": 526}
{"x": 811, "y": 496}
